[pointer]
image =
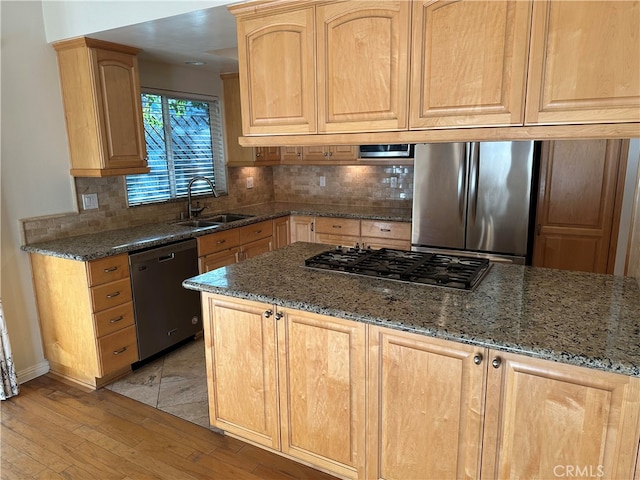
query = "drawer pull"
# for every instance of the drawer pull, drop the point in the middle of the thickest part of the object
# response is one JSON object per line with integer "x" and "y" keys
{"x": 257, "y": 232}
{"x": 385, "y": 229}
{"x": 111, "y": 269}
{"x": 118, "y": 352}
{"x": 117, "y": 319}
{"x": 113, "y": 295}
{"x": 336, "y": 226}
{"x": 220, "y": 242}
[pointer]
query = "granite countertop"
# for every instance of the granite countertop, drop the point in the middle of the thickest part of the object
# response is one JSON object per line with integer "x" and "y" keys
{"x": 114, "y": 242}
{"x": 590, "y": 320}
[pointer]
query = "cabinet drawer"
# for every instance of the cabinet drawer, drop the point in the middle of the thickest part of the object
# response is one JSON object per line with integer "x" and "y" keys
{"x": 113, "y": 319}
{"x": 216, "y": 242}
{"x": 337, "y": 226}
{"x": 218, "y": 259}
{"x": 118, "y": 350}
{"x": 377, "y": 243}
{"x": 110, "y": 294}
{"x": 256, "y": 231}
{"x": 343, "y": 240}
{"x": 108, "y": 269}
{"x": 382, "y": 229}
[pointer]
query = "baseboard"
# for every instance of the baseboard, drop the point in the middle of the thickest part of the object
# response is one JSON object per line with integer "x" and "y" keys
{"x": 33, "y": 372}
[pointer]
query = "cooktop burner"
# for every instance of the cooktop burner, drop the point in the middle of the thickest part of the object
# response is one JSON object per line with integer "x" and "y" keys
{"x": 414, "y": 267}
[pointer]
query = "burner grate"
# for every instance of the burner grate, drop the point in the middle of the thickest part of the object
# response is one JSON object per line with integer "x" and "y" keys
{"x": 408, "y": 266}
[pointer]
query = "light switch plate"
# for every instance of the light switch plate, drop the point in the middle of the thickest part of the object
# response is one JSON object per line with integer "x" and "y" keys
{"x": 89, "y": 201}
{"x": 323, "y": 181}
{"x": 249, "y": 182}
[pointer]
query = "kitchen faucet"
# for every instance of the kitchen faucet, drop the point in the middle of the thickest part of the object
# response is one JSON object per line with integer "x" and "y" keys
{"x": 195, "y": 211}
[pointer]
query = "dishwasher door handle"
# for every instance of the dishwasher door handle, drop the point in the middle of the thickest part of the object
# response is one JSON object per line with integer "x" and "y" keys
{"x": 166, "y": 258}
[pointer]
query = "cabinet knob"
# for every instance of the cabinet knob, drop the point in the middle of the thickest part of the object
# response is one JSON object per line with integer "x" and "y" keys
{"x": 497, "y": 361}
{"x": 477, "y": 359}
{"x": 279, "y": 315}
{"x": 268, "y": 313}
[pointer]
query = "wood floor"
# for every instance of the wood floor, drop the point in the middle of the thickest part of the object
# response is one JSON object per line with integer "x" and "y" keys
{"x": 55, "y": 431}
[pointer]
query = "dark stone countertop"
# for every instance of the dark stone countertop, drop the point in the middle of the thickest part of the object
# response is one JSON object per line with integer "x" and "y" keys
{"x": 114, "y": 242}
{"x": 583, "y": 319}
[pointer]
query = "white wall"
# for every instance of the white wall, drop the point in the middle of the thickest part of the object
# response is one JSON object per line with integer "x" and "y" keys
{"x": 35, "y": 167}
{"x": 66, "y": 19}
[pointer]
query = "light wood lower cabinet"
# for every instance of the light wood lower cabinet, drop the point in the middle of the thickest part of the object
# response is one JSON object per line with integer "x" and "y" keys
{"x": 426, "y": 399}
{"x": 302, "y": 229}
{"x": 86, "y": 317}
{"x": 570, "y": 421}
{"x": 287, "y": 380}
{"x": 281, "y": 232}
{"x": 295, "y": 382}
{"x": 363, "y": 233}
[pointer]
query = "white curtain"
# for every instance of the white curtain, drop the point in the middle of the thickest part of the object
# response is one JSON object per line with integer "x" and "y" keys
{"x": 7, "y": 368}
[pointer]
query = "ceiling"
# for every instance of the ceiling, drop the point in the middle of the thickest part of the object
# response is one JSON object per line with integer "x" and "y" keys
{"x": 205, "y": 35}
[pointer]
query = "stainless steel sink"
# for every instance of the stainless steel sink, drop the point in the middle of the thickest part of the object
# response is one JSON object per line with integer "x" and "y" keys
{"x": 213, "y": 221}
{"x": 226, "y": 218}
{"x": 198, "y": 223}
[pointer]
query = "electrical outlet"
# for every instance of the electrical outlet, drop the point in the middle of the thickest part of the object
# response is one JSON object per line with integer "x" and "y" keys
{"x": 249, "y": 182}
{"x": 393, "y": 182}
{"x": 323, "y": 181}
{"x": 89, "y": 201}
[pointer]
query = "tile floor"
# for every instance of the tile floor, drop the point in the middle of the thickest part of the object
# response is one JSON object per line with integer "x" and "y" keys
{"x": 175, "y": 383}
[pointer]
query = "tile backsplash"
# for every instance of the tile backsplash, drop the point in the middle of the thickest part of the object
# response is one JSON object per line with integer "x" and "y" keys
{"x": 382, "y": 186}
{"x": 378, "y": 186}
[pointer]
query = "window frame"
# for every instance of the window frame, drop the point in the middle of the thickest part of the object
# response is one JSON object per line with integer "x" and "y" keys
{"x": 219, "y": 164}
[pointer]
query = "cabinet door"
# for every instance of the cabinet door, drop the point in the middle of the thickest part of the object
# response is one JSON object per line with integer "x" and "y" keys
{"x": 218, "y": 260}
{"x": 236, "y": 155}
{"x": 576, "y": 204}
{"x": 548, "y": 420}
{"x": 425, "y": 407}
{"x": 256, "y": 248}
{"x": 240, "y": 348}
{"x": 343, "y": 153}
{"x": 276, "y": 54}
{"x": 291, "y": 155}
{"x": 584, "y": 62}
{"x": 322, "y": 391}
{"x": 469, "y": 62}
{"x": 302, "y": 229}
{"x": 363, "y": 55}
{"x": 316, "y": 153}
{"x": 281, "y": 232}
{"x": 267, "y": 155}
{"x": 120, "y": 109}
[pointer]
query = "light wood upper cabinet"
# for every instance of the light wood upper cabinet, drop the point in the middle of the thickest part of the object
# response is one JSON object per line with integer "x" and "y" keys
{"x": 584, "y": 62}
{"x": 426, "y": 405}
{"x": 278, "y": 79}
{"x": 363, "y": 65}
{"x": 469, "y": 63}
{"x": 236, "y": 155}
{"x": 543, "y": 418}
{"x": 103, "y": 109}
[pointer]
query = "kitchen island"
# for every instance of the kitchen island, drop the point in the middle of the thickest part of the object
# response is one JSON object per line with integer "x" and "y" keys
{"x": 403, "y": 380}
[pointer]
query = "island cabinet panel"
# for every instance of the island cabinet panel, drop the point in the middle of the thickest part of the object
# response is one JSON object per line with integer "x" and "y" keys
{"x": 425, "y": 407}
{"x": 567, "y": 419}
{"x": 322, "y": 391}
{"x": 363, "y": 65}
{"x": 584, "y": 62}
{"x": 240, "y": 348}
{"x": 469, "y": 62}
{"x": 278, "y": 81}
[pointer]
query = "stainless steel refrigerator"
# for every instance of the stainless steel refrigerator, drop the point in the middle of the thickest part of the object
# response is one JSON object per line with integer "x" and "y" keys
{"x": 473, "y": 197}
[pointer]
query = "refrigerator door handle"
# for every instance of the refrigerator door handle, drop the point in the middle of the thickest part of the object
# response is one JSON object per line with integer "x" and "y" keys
{"x": 474, "y": 161}
{"x": 462, "y": 184}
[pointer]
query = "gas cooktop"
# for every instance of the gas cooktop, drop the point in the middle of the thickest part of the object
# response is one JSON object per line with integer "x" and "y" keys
{"x": 426, "y": 268}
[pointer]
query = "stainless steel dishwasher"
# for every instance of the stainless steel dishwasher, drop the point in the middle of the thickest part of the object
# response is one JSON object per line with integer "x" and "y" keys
{"x": 165, "y": 312}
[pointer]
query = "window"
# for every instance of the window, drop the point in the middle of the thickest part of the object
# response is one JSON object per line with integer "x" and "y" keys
{"x": 184, "y": 140}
